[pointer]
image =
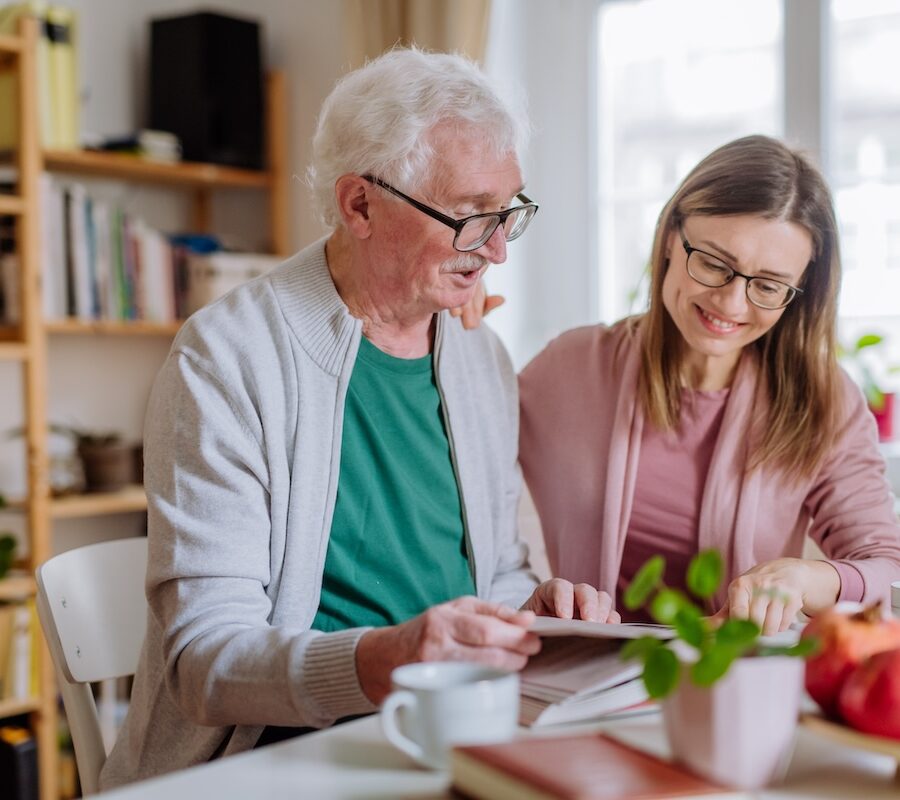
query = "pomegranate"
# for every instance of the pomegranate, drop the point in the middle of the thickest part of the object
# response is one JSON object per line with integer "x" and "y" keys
{"x": 845, "y": 641}
{"x": 870, "y": 699}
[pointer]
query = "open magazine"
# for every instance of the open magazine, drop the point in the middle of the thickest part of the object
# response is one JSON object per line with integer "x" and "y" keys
{"x": 579, "y": 676}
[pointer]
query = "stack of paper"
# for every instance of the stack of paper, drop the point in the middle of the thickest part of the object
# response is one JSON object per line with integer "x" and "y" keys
{"x": 579, "y": 674}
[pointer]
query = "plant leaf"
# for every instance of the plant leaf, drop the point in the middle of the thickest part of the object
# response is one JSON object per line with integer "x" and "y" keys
{"x": 868, "y": 340}
{"x": 737, "y": 633}
{"x": 704, "y": 573}
{"x": 689, "y": 626}
{"x": 712, "y": 665}
{"x": 639, "y": 648}
{"x": 646, "y": 580}
{"x": 661, "y": 672}
{"x": 667, "y": 604}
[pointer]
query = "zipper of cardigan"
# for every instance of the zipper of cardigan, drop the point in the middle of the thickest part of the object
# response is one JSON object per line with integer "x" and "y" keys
{"x": 438, "y": 338}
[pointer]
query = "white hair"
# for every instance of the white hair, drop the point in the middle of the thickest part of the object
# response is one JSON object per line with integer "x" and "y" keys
{"x": 377, "y": 119}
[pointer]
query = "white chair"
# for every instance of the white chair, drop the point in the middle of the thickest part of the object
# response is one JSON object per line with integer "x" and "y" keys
{"x": 93, "y": 611}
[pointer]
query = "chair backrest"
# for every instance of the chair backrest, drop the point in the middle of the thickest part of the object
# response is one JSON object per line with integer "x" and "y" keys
{"x": 93, "y": 610}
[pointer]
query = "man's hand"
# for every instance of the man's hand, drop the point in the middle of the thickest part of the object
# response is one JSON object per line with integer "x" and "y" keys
{"x": 478, "y": 307}
{"x": 559, "y": 598}
{"x": 465, "y": 629}
{"x": 772, "y": 593}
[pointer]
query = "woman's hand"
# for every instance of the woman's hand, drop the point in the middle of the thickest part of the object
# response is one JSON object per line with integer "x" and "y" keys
{"x": 478, "y": 307}
{"x": 559, "y": 598}
{"x": 772, "y": 593}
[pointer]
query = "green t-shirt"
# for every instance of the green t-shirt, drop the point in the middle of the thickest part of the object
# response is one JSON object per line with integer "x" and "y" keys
{"x": 397, "y": 542}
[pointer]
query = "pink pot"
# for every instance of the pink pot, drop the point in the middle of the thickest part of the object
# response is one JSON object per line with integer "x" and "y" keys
{"x": 739, "y": 732}
{"x": 884, "y": 418}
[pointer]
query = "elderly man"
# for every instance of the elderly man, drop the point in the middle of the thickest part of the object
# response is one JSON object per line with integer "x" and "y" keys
{"x": 330, "y": 457}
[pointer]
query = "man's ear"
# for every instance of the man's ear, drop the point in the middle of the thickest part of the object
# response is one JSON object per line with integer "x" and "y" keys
{"x": 352, "y": 195}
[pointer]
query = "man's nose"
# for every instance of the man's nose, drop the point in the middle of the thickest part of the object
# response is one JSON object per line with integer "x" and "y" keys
{"x": 494, "y": 249}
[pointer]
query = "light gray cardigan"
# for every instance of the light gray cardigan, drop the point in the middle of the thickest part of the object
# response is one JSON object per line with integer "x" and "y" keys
{"x": 242, "y": 450}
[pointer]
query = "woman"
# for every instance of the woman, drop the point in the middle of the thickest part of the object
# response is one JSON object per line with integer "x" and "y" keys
{"x": 720, "y": 418}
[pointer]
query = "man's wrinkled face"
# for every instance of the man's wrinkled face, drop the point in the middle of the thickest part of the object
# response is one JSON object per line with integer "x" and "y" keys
{"x": 416, "y": 261}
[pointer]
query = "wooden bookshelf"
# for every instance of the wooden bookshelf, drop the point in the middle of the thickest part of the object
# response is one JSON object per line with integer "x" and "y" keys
{"x": 27, "y": 342}
{"x": 13, "y": 351}
{"x": 134, "y": 168}
{"x": 111, "y": 327}
{"x": 12, "y": 708}
{"x": 16, "y": 587}
{"x": 11, "y": 205}
{"x": 131, "y": 498}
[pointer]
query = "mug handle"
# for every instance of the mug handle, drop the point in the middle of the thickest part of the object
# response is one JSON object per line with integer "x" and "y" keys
{"x": 396, "y": 701}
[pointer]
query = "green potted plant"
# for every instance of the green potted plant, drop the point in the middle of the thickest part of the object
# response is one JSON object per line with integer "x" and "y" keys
{"x": 7, "y": 546}
{"x": 858, "y": 358}
{"x": 730, "y": 697}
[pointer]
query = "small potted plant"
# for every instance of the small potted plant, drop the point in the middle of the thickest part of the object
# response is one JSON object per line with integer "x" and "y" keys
{"x": 730, "y": 698}
{"x": 7, "y": 546}
{"x": 107, "y": 461}
{"x": 859, "y": 359}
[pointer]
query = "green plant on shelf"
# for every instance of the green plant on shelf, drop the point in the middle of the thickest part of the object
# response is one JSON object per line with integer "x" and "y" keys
{"x": 7, "y": 546}
{"x": 713, "y": 647}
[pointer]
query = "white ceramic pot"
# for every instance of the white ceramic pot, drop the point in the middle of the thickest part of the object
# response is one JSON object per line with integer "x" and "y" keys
{"x": 739, "y": 732}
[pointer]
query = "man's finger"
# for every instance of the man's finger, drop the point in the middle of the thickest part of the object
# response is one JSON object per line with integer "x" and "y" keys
{"x": 479, "y": 630}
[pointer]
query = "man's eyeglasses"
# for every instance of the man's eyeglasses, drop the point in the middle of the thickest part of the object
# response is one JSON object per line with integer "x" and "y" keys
{"x": 474, "y": 231}
{"x": 710, "y": 270}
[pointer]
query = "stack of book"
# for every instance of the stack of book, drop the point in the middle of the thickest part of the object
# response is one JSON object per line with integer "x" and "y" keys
{"x": 57, "y": 75}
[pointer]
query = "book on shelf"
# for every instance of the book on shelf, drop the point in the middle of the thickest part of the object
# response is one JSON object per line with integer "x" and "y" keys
{"x": 18, "y": 764}
{"x": 18, "y": 634}
{"x": 584, "y": 767}
{"x": 9, "y": 24}
{"x": 56, "y": 73}
{"x": 63, "y": 68}
{"x": 579, "y": 674}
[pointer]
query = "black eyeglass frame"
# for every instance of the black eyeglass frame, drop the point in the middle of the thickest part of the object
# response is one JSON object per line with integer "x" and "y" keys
{"x": 458, "y": 224}
{"x": 794, "y": 291}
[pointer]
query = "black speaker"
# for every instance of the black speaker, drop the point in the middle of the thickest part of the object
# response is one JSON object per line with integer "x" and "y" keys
{"x": 206, "y": 87}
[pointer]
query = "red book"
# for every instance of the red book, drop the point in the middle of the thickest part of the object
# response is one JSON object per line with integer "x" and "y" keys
{"x": 583, "y": 767}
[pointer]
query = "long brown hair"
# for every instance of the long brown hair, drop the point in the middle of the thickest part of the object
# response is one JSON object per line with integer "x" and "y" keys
{"x": 760, "y": 175}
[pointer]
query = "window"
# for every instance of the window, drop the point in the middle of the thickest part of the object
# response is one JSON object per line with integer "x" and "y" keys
{"x": 677, "y": 79}
{"x": 865, "y": 158}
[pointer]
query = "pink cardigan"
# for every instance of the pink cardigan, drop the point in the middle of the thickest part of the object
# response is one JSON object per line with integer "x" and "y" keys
{"x": 581, "y": 425}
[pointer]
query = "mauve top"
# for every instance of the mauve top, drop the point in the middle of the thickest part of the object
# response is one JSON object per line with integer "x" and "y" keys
{"x": 582, "y": 448}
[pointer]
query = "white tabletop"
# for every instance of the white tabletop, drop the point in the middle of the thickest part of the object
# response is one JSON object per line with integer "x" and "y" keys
{"x": 354, "y": 761}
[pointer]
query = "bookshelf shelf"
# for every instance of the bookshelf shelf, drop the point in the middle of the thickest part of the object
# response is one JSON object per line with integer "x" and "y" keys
{"x": 134, "y": 168}
{"x": 11, "y": 205}
{"x": 12, "y": 708}
{"x": 111, "y": 327}
{"x": 16, "y": 587}
{"x": 13, "y": 351}
{"x": 131, "y": 498}
{"x": 10, "y": 44}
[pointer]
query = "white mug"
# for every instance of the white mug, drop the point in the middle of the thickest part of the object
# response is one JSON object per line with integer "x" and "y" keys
{"x": 436, "y": 705}
{"x": 895, "y": 599}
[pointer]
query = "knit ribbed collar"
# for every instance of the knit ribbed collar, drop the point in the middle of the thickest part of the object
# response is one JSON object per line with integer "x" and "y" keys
{"x": 313, "y": 308}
